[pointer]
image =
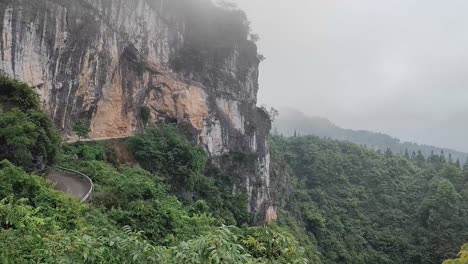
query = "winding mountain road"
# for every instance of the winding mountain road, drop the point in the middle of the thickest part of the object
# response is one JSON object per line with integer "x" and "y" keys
{"x": 73, "y": 182}
{"x": 70, "y": 183}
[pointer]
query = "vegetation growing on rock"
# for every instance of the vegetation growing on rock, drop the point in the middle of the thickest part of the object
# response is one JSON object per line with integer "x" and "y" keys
{"x": 81, "y": 129}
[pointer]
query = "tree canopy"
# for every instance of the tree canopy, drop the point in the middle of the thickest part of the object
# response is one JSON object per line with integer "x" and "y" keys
{"x": 361, "y": 206}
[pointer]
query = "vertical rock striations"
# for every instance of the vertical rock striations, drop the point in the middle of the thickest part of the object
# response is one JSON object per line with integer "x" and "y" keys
{"x": 189, "y": 61}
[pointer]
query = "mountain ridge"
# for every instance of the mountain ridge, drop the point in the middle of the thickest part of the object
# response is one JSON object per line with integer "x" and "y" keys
{"x": 292, "y": 121}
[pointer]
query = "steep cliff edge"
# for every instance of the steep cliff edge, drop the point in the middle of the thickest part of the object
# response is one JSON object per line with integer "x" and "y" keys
{"x": 189, "y": 62}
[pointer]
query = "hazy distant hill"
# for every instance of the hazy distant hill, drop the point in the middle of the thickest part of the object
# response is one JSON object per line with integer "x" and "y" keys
{"x": 291, "y": 120}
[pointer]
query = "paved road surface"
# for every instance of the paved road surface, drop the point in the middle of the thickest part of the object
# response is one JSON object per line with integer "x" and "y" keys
{"x": 94, "y": 139}
{"x": 68, "y": 183}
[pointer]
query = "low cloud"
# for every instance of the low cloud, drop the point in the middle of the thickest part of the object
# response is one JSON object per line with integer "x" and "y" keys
{"x": 399, "y": 67}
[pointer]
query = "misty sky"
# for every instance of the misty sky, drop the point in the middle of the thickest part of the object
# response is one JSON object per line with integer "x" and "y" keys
{"x": 398, "y": 67}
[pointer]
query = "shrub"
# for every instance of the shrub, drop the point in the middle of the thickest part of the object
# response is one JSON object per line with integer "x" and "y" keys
{"x": 81, "y": 129}
{"x": 14, "y": 94}
{"x": 84, "y": 151}
{"x": 164, "y": 151}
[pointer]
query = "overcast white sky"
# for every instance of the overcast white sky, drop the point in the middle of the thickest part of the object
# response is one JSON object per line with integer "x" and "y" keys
{"x": 393, "y": 66}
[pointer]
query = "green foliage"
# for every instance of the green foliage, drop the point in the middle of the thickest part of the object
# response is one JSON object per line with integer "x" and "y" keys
{"x": 298, "y": 231}
{"x": 27, "y": 136}
{"x": 18, "y": 184}
{"x": 81, "y": 129}
{"x": 216, "y": 191}
{"x": 18, "y": 215}
{"x": 14, "y": 94}
{"x": 85, "y": 151}
{"x": 132, "y": 196}
{"x": 360, "y": 206}
{"x": 165, "y": 151}
{"x": 220, "y": 246}
{"x": 39, "y": 225}
{"x": 272, "y": 245}
{"x": 462, "y": 256}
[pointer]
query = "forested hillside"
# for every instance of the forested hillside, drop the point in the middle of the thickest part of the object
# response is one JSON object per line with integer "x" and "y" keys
{"x": 291, "y": 122}
{"x": 158, "y": 199}
{"x": 175, "y": 208}
{"x": 357, "y": 205}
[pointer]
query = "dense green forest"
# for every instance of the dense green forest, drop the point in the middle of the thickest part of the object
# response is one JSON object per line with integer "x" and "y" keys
{"x": 290, "y": 122}
{"x": 138, "y": 214}
{"x": 362, "y": 206}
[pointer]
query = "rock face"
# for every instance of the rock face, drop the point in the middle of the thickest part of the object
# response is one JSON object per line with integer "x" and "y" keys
{"x": 188, "y": 61}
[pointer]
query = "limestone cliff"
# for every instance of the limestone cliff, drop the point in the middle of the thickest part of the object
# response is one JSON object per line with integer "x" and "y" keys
{"x": 188, "y": 61}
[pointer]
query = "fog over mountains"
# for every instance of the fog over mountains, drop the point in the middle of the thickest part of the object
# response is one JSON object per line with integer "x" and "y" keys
{"x": 291, "y": 122}
{"x": 399, "y": 67}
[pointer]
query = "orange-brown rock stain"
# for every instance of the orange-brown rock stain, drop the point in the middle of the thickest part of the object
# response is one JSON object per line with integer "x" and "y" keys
{"x": 110, "y": 119}
{"x": 178, "y": 100}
